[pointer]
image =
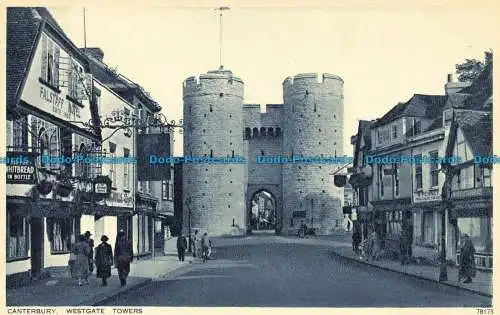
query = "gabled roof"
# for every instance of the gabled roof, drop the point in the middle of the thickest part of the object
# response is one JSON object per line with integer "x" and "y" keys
{"x": 364, "y": 127}
{"x": 419, "y": 105}
{"x": 23, "y": 28}
{"x": 477, "y": 128}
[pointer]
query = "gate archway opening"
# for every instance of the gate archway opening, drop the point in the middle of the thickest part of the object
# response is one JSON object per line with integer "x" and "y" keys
{"x": 262, "y": 212}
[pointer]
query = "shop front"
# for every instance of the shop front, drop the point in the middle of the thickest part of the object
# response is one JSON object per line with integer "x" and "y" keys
{"x": 390, "y": 218}
{"x": 471, "y": 212}
{"x": 143, "y": 224}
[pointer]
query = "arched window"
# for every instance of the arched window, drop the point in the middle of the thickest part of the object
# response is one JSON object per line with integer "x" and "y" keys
{"x": 44, "y": 146}
{"x": 248, "y": 133}
{"x": 255, "y": 132}
{"x": 270, "y": 132}
{"x": 262, "y": 131}
{"x": 278, "y": 132}
{"x": 83, "y": 168}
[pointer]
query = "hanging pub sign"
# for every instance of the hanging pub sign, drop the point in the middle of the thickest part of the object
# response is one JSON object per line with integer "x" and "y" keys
{"x": 153, "y": 157}
{"x": 102, "y": 187}
{"x": 340, "y": 180}
{"x": 346, "y": 209}
{"x": 21, "y": 168}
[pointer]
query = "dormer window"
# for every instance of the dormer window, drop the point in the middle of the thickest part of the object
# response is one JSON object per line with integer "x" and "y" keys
{"x": 417, "y": 126}
{"x": 394, "y": 131}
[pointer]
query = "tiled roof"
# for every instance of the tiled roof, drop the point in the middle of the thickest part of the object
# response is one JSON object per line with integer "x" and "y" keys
{"x": 419, "y": 105}
{"x": 23, "y": 26}
{"x": 119, "y": 84}
{"x": 477, "y": 128}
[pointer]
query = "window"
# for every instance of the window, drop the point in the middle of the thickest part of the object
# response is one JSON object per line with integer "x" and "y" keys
{"x": 418, "y": 171}
{"x": 255, "y": 132}
{"x": 270, "y": 132}
{"x": 462, "y": 147}
{"x": 66, "y": 150}
{"x": 434, "y": 169}
{"x": 417, "y": 126}
{"x": 394, "y": 221}
{"x": 167, "y": 190}
{"x": 83, "y": 168}
{"x": 126, "y": 170}
{"x": 278, "y": 132}
{"x": 62, "y": 233}
{"x": 381, "y": 180}
{"x": 50, "y": 62}
{"x": 486, "y": 176}
{"x": 396, "y": 179}
{"x": 248, "y": 133}
{"x": 18, "y": 235}
{"x": 112, "y": 166}
{"x": 394, "y": 132}
{"x": 263, "y": 131}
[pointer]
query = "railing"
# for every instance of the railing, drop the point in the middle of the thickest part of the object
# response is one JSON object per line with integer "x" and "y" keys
{"x": 484, "y": 261}
{"x": 472, "y": 192}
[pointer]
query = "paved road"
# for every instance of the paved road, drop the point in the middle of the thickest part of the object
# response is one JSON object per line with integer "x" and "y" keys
{"x": 267, "y": 273}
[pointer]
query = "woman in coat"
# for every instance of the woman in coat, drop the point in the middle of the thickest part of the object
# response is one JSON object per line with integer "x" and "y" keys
{"x": 104, "y": 260}
{"x": 467, "y": 267}
{"x": 81, "y": 264}
{"x": 123, "y": 256}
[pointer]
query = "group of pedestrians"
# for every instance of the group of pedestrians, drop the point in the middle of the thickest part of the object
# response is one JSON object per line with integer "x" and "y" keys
{"x": 370, "y": 249}
{"x": 82, "y": 258}
{"x": 201, "y": 247}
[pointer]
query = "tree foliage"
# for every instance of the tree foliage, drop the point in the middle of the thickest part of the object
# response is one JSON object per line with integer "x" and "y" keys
{"x": 471, "y": 68}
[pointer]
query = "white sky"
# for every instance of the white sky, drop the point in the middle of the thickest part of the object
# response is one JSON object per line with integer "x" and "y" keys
{"x": 383, "y": 55}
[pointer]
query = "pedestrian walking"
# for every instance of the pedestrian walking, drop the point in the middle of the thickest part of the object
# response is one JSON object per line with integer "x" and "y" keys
{"x": 123, "y": 256}
{"x": 374, "y": 244}
{"x": 348, "y": 225}
{"x": 90, "y": 241}
{"x": 467, "y": 268}
{"x": 104, "y": 260}
{"x": 302, "y": 230}
{"x": 210, "y": 246}
{"x": 194, "y": 243}
{"x": 181, "y": 247}
{"x": 356, "y": 239}
{"x": 204, "y": 246}
{"x": 81, "y": 264}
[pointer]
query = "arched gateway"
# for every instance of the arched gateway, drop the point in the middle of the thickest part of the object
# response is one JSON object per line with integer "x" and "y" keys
{"x": 264, "y": 209}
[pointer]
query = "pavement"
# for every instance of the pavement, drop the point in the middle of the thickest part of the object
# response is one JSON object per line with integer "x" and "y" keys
{"x": 249, "y": 265}
{"x": 427, "y": 270}
{"x": 270, "y": 271}
{"x": 61, "y": 290}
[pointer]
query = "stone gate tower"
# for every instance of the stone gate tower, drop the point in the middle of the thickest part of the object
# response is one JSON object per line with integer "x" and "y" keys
{"x": 313, "y": 124}
{"x": 213, "y": 106}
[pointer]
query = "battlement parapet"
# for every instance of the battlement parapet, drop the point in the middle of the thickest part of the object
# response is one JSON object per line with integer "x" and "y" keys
{"x": 304, "y": 80}
{"x": 216, "y": 81}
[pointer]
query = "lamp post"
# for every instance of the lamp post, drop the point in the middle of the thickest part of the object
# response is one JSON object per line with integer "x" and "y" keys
{"x": 187, "y": 203}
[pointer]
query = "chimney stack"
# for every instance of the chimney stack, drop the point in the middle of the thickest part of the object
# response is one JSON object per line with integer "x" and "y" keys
{"x": 450, "y": 77}
{"x": 94, "y": 52}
